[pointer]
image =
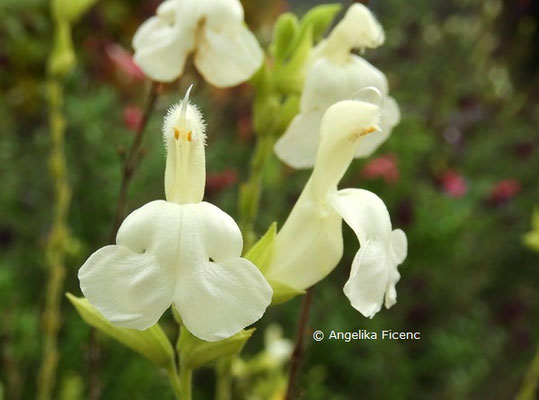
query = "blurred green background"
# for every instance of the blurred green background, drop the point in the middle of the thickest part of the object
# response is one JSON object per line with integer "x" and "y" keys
{"x": 459, "y": 175}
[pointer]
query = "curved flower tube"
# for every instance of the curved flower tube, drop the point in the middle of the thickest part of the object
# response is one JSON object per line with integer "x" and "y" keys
{"x": 336, "y": 74}
{"x": 225, "y": 52}
{"x": 309, "y": 245}
{"x": 182, "y": 251}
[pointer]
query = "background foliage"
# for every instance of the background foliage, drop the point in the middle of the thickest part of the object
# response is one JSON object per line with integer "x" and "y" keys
{"x": 459, "y": 175}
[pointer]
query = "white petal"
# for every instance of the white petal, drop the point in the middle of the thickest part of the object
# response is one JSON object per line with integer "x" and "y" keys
{"x": 229, "y": 56}
{"x": 218, "y": 14}
{"x": 389, "y": 118}
{"x": 368, "y": 279}
{"x": 154, "y": 228}
{"x": 218, "y": 234}
{"x": 374, "y": 270}
{"x": 399, "y": 245}
{"x": 391, "y": 292}
{"x": 308, "y": 246}
{"x": 133, "y": 283}
{"x": 297, "y": 146}
{"x": 365, "y": 213}
{"x": 162, "y": 43}
{"x": 328, "y": 82}
{"x": 217, "y": 300}
{"x": 130, "y": 289}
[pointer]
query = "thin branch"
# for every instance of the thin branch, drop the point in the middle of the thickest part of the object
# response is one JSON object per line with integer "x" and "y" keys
{"x": 131, "y": 161}
{"x": 299, "y": 348}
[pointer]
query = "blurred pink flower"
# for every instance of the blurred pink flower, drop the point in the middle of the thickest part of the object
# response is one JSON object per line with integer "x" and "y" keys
{"x": 453, "y": 184}
{"x": 123, "y": 60}
{"x": 504, "y": 190}
{"x": 218, "y": 181}
{"x": 384, "y": 167}
{"x": 132, "y": 117}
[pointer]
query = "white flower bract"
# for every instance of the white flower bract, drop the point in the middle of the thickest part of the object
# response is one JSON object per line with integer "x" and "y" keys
{"x": 225, "y": 52}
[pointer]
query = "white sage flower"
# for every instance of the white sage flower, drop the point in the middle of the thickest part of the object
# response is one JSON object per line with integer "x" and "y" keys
{"x": 225, "y": 52}
{"x": 336, "y": 74}
{"x": 310, "y": 245}
{"x": 182, "y": 251}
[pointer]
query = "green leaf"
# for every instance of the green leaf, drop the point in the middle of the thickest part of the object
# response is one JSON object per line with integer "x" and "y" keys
{"x": 284, "y": 36}
{"x": 283, "y": 293}
{"x": 261, "y": 254}
{"x": 290, "y": 77}
{"x": 319, "y": 18}
{"x": 195, "y": 352}
{"x": 152, "y": 343}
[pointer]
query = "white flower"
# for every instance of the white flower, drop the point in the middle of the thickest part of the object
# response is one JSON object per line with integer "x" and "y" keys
{"x": 226, "y": 53}
{"x": 309, "y": 245}
{"x": 336, "y": 74}
{"x": 182, "y": 251}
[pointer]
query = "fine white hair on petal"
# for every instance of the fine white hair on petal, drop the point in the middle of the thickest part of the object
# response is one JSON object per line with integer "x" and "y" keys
{"x": 195, "y": 123}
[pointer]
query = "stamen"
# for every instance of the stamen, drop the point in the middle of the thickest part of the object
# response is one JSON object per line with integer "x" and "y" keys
{"x": 176, "y": 133}
{"x": 189, "y": 136}
{"x": 366, "y": 131}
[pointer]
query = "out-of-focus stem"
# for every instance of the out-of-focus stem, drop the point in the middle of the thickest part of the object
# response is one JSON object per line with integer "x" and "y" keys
{"x": 57, "y": 243}
{"x": 131, "y": 161}
{"x": 299, "y": 347}
{"x": 223, "y": 389}
{"x": 529, "y": 386}
{"x": 186, "y": 375}
{"x": 251, "y": 190}
{"x": 129, "y": 167}
{"x": 172, "y": 373}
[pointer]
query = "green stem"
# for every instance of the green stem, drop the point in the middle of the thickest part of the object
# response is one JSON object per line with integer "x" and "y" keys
{"x": 251, "y": 190}
{"x": 57, "y": 244}
{"x": 186, "y": 375}
{"x": 223, "y": 389}
{"x": 174, "y": 382}
{"x": 528, "y": 389}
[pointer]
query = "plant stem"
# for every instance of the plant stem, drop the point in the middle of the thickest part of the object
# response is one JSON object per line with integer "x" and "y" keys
{"x": 129, "y": 167}
{"x": 57, "y": 243}
{"x": 251, "y": 190}
{"x": 529, "y": 386}
{"x": 174, "y": 382}
{"x": 223, "y": 389}
{"x": 131, "y": 161}
{"x": 186, "y": 375}
{"x": 299, "y": 347}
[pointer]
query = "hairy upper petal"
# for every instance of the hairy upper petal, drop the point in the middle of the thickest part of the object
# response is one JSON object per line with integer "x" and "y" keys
{"x": 390, "y": 116}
